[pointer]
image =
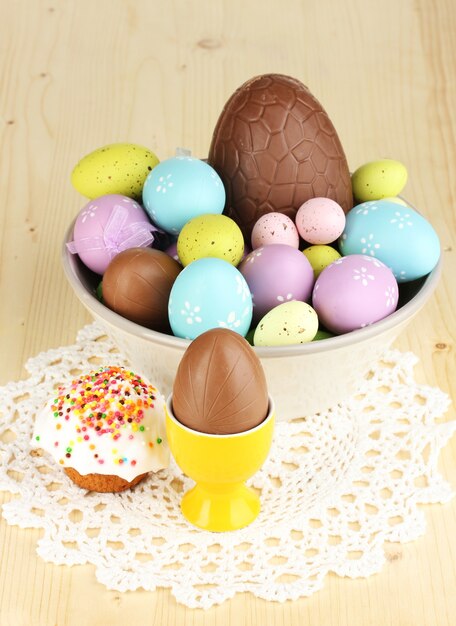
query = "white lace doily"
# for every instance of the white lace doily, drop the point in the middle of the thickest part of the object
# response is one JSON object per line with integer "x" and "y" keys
{"x": 335, "y": 487}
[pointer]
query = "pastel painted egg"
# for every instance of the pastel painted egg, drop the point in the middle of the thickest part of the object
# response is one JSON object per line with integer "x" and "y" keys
{"x": 119, "y": 168}
{"x": 320, "y": 257}
{"x": 106, "y": 226}
{"x": 181, "y": 188}
{"x": 320, "y": 220}
{"x": 379, "y": 179}
{"x": 287, "y": 324}
{"x": 172, "y": 251}
{"x": 397, "y": 235}
{"x": 353, "y": 292}
{"x": 215, "y": 236}
{"x": 209, "y": 293}
{"x": 274, "y": 228}
{"x": 276, "y": 274}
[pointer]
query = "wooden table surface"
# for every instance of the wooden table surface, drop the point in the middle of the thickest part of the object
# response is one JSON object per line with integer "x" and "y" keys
{"x": 79, "y": 74}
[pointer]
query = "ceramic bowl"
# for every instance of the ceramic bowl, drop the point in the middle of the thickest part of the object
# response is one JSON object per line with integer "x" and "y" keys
{"x": 303, "y": 379}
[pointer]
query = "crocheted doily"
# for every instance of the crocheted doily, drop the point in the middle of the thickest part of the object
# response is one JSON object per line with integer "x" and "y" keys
{"x": 335, "y": 487}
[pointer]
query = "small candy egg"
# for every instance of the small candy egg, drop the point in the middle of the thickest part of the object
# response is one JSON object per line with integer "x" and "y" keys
{"x": 106, "y": 226}
{"x": 287, "y": 324}
{"x": 215, "y": 236}
{"x": 399, "y": 236}
{"x": 353, "y": 292}
{"x": 397, "y": 200}
{"x": 322, "y": 334}
{"x": 172, "y": 251}
{"x": 99, "y": 292}
{"x": 274, "y": 228}
{"x": 320, "y": 257}
{"x": 320, "y": 220}
{"x": 209, "y": 293}
{"x": 179, "y": 189}
{"x": 119, "y": 168}
{"x": 137, "y": 284}
{"x": 276, "y": 274}
{"x": 379, "y": 179}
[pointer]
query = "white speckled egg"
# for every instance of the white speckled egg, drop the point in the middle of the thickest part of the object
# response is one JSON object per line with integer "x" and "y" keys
{"x": 274, "y": 228}
{"x": 320, "y": 220}
{"x": 289, "y": 323}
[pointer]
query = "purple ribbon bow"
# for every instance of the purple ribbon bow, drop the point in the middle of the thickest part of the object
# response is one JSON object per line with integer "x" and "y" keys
{"x": 115, "y": 237}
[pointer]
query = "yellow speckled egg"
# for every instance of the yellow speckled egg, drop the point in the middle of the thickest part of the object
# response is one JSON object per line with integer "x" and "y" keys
{"x": 118, "y": 168}
{"x": 320, "y": 257}
{"x": 210, "y": 236}
{"x": 289, "y": 323}
{"x": 378, "y": 180}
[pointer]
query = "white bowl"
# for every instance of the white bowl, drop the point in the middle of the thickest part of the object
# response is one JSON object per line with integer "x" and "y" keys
{"x": 303, "y": 379}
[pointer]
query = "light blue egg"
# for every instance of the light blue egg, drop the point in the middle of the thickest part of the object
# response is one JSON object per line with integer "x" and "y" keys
{"x": 209, "y": 293}
{"x": 394, "y": 234}
{"x": 181, "y": 188}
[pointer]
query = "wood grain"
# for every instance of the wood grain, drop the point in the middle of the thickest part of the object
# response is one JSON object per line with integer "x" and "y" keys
{"x": 79, "y": 74}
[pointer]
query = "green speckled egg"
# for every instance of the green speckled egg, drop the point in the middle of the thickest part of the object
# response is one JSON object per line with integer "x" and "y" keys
{"x": 322, "y": 334}
{"x": 289, "y": 323}
{"x": 210, "y": 235}
{"x": 378, "y": 180}
{"x": 118, "y": 168}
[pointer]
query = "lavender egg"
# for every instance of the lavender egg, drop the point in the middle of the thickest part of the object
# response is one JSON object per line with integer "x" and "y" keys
{"x": 275, "y": 274}
{"x": 353, "y": 292}
{"x": 106, "y": 226}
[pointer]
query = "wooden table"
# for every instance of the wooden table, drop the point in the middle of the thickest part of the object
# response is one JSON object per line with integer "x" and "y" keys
{"x": 80, "y": 74}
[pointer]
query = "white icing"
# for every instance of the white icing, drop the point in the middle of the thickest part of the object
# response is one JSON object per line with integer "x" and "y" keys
{"x": 125, "y": 449}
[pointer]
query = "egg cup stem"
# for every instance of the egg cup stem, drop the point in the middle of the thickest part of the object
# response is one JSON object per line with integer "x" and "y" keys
{"x": 220, "y": 507}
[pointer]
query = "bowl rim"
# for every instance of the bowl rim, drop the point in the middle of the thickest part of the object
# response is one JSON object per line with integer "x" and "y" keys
{"x": 337, "y": 342}
{"x": 269, "y": 418}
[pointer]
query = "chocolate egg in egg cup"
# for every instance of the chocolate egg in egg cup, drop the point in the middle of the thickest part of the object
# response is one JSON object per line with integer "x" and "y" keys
{"x": 219, "y": 424}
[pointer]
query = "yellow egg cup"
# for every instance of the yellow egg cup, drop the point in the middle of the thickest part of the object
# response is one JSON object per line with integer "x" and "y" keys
{"x": 220, "y": 464}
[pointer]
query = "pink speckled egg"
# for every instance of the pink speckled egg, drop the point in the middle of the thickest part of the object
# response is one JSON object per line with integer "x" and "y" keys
{"x": 106, "y": 226}
{"x": 320, "y": 220}
{"x": 353, "y": 292}
{"x": 276, "y": 274}
{"x": 274, "y": 228}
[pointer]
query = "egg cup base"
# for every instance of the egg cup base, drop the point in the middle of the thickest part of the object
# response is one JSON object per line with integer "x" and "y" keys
{"x": 220, "y": 507}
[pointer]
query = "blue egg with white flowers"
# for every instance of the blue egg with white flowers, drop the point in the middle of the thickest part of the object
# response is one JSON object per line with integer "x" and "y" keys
{"x": 209, "y": 293}
{"x": 181, "y": 188}
{"x": 396, "y": 235}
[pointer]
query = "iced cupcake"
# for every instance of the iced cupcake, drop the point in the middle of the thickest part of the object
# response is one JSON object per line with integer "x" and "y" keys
{"x": 106, "y": 429}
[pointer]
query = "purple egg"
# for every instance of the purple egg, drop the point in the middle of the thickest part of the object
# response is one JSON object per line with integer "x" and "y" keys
{"x": 172, "y": 251}
{"x": 353, "y": 292}
{"x": 106, "y": 226}
{"x": 275, "y": 274}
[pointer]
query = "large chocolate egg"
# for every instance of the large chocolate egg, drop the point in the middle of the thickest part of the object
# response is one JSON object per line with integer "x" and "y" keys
{"x": 220, "y": 386}
{"x": 275, "y": 147}
{"x": 137, "y": 284}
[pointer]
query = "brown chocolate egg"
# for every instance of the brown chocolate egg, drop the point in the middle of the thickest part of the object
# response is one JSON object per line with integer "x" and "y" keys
{"x": 275, "y": 147}
{"x": 220, "y": 386}
{"x": 137, "y": 284}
